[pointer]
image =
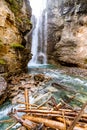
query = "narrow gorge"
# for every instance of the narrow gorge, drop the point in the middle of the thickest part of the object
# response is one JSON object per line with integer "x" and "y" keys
{"x": 42, "y": 51}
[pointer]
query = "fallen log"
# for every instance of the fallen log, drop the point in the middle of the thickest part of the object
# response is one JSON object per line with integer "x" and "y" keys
{"x": 44, "y": 103}
{"x": 6, "y": 121}
{"x": 28, "y": 124}
{"x": 71, "y": 113}
{"x": 49, "y": 123}
{"x": 66, "y": 88}
{"x": 26, "y": 99}
{"x": 77, "y": 117}
{"x": 57, "y": 116}
{"x": 83, "y": 120}
{"x": 62, "y": 87}
{"x": 46, "y": 122}
{"x": 11, "y": 126}
{"x": 69, "y": 122}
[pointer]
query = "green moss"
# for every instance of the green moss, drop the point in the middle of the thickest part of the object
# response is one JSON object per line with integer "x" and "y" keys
{"x": 1, "y": 44}
{"x": 17, "y": 46}
{"x": 28, "y": 21}
{"x": 19, "y": 20}
{"x": 2, "y": 62}
{"x": 15, "y": 5}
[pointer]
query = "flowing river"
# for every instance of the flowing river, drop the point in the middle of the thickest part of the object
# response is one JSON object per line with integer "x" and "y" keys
{"x": 74, "y": 85}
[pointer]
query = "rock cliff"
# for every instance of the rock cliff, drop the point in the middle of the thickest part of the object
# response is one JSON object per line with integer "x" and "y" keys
{"x": 67, "y": 32}
{"x": 14, "y": 25}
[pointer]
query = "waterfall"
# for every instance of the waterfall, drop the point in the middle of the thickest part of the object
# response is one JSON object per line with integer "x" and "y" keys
{"x": 39, "y": 34}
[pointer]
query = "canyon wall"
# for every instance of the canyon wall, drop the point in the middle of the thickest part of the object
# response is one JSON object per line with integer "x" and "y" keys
{"x": 67, "y": 33}
{"x": 14, "y": 25}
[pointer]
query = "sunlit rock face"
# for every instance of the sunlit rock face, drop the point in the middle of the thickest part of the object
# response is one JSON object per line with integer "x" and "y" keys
{"x": 67, "y": 33}
{"x": 12, "y": 32}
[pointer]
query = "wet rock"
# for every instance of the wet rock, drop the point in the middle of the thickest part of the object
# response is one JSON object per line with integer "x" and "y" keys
{"x": 2, "y": 68}
{"x": 74, "y": 71}
{"x": 18, "y": 84}
{"x": 18, "y": 97}
{"x": 39, "y": 77}
{"x": 83, "y": 20}
{"x": 3, "y": 90}
{"x": 13, "y": 94}
{"x": 14, "y": 88}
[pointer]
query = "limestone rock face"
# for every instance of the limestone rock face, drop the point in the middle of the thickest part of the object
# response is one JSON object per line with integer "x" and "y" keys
{"x": 22, "y": 12}
{"x": 14, "y": 24}
{"x": 67, "y": 33}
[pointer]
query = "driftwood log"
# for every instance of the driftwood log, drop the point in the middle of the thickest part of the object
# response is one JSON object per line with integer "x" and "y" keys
{"x": 50, "y": 123}
{"x": 55, "y": 117}
{"x": 62, "y": 87}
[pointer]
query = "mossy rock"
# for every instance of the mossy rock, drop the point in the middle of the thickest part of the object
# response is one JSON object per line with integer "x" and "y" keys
{"x": 28, "y": 21}
{"x": 2, "y": 62}
{"x": 1, "y": 44}
{"x": 17, "y": 46}
{"x": 15, "y": 5}
{"x": 19, "y": 20}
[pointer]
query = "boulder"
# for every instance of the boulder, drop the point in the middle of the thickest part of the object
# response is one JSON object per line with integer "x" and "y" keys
{"x": 39, "y": 77}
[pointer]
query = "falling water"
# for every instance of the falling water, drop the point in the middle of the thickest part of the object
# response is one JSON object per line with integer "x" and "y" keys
{"x": 39, "y": 35}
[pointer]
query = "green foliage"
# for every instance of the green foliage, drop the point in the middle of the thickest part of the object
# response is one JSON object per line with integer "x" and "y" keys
{"x": 19, "y": 20}
{"x": 17, "y": 46}
{"x": 2, "y": 62}
{"x": 28, "y": 21}
{"x": 1, "y": 44}
{"x": 0, "y": 41}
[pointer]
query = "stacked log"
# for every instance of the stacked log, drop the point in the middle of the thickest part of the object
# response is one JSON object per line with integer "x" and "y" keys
{"x": 58, "y": 117}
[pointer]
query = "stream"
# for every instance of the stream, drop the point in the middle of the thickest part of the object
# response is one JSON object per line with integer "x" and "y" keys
{"x": 73, "y": 84}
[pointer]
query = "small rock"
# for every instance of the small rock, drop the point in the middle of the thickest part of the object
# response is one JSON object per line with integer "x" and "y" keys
{"x": 39, "y": 77}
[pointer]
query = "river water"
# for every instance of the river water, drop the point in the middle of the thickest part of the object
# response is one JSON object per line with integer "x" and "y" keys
{"x": 74, "y": 84}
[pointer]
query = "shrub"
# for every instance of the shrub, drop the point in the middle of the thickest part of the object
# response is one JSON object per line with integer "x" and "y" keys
{"x": 17, "y": 46}
{"x": 1, "y": 44}
{"x": 2, "y": 62}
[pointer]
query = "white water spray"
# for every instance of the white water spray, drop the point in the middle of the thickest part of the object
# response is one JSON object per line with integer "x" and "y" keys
{"x": 39, "y": 35}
